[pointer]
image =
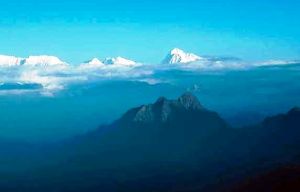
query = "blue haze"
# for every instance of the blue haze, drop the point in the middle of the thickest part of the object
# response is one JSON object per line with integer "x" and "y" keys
{"x": 145, "y": 30}
{"x": 242, "y": 97}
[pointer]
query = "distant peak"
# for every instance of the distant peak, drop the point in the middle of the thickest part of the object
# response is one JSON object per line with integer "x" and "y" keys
{"x": 39, "y": 60}
{"x": 6, "y": 60}
{"x": 176, "y": 51}
{"x": 177, "y": 55}
{"x": 42, "y": 60}
{"x": 119, "y": 61}
{"x": 92, "y": 64}
{"x": 94, "y": 61}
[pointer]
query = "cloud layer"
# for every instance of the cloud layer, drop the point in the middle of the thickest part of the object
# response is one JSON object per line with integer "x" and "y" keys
{"x": 49, "y": 74}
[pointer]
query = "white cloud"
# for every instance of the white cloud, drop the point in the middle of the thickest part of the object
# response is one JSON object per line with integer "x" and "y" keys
{"x": 151, "y": 81}
{"x": 52, "y": 74}
{"x": 208, "y": 65}
{"x": 276, "y": 62}
{"x": 16, "y": 92}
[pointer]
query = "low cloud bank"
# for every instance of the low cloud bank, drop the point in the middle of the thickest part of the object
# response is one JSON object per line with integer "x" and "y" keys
{"x": 49, "y": 74}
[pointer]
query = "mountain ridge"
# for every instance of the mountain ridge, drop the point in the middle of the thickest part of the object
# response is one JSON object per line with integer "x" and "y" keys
{"x": 40, "y": 60}
{"x": 163, "y": 108}
{"x": 171, "y": 144}
{"x": 175, "y": 56}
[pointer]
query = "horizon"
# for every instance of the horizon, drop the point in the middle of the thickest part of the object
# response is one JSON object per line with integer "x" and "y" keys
{"x": 79, "y": 30}
{"x": 161, "y": 60}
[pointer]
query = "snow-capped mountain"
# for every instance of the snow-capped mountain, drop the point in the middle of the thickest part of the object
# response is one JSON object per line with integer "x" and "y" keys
{"x": 34, "y": 61}
{"x": 177, "y": 56}
{"x": 42, "y": 60}
{"x": 9, "y": 61}
{"x": 119, "y": 61}
{"x": 93, "y": 63}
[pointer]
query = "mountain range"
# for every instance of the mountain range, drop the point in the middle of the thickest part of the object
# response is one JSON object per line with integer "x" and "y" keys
{"x": 170, "y": 145}
{"x": 45, "y": 60}
{"x": 175, "y": 56}
{"x": 42, "y": 60}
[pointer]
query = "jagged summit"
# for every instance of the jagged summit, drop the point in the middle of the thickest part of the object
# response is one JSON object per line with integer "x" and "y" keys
{"x": 189, "y": 101}
{"x": 176, "y": 56}
{"x": 94, "y": 61}
{"x": 163, "y": 108}
{"x": 176, "y": 51}
{"x": 119, "y": 61}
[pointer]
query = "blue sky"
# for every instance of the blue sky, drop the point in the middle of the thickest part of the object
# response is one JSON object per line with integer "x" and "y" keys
{"x": 145, "y": 30}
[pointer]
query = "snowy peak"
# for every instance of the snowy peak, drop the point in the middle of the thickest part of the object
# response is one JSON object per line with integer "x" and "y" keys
{"x": 179, "y": 56}
{"x": 177, "y": 51}
{"x": 34, "y": 61}
{"x": 42, "y": 60}
{"x": 119, "y": 61}
{"x": 94, "y": 62}
{"x": 9, "y": 61}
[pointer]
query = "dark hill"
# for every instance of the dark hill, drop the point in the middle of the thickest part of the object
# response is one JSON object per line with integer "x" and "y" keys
{"x": 170, "y": 145}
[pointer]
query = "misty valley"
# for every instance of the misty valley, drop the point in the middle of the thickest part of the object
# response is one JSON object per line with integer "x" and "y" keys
{"x": 170, "y": 145}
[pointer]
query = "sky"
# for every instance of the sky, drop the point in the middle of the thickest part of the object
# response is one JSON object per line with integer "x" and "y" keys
{"x": 145, "y": 31}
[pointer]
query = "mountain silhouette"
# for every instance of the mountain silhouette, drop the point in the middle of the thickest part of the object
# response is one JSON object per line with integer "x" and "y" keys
{"x": 154, "y": 145}
{"x": 182, "y": 114}
{"x": 163, "y": 109}
{"x": 169, "y": 145}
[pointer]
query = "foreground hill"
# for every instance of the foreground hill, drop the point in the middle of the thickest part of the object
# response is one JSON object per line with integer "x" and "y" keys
{"x": 286, "y": 178}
